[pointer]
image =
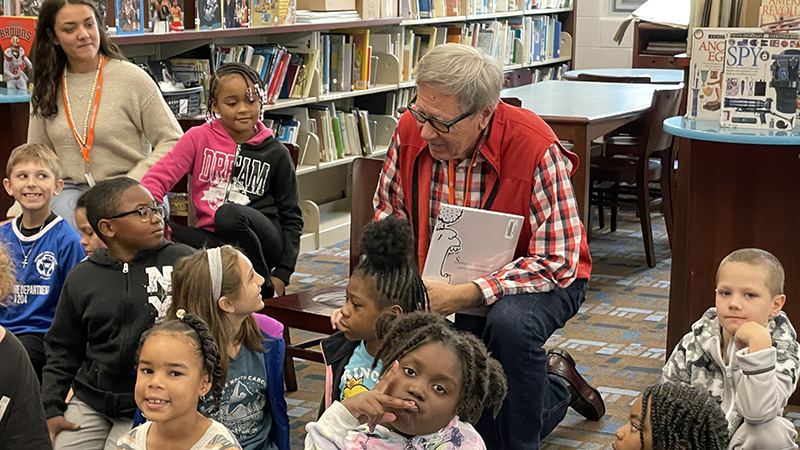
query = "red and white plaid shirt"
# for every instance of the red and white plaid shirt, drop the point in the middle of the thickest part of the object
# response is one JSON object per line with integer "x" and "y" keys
{"x": 554, "y": 219}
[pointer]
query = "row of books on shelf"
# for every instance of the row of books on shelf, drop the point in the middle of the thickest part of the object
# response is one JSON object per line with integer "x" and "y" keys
{"x": 345, "y": 62}
{"x": 318, "y": 64}
{"x": 334, "y": 132}
{"x": 745, "y": 77}
{"x": 429, "y": 9}
{"x": 523, "y": 40}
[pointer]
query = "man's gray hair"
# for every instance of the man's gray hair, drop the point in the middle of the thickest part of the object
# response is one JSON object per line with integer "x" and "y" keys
{"x": 474, "y": 77}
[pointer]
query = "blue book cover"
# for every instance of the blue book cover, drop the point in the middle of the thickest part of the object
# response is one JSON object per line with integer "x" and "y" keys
{"x": 130, "y": 17}
{"x": 326, "y": 64}
{"x": 274, "y": 66}
{"x": 269, "y": 54}
{"x": 425, "y": 9}
{"x": 543, "y": 38}
{"x": 557, "y": 40}
{"x": 537, "y": 40}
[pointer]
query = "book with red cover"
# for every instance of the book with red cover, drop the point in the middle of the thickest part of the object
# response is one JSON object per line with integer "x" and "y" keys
{"x": 289, "y": 81}
{"x": 280, "y": 75}
{"x": 16, "y": 41}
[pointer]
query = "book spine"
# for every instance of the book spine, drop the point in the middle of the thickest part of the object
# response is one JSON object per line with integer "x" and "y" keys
{"x": 424, "y": 9}
{"x": 361, "y": 60}
{"x": 347, "y": 70}
{"x": 337, "y": 137}
{"x": 326, "y": 64}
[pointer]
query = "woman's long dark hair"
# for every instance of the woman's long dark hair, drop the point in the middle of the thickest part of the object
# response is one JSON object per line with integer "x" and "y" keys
{"x": 49, "y": 59}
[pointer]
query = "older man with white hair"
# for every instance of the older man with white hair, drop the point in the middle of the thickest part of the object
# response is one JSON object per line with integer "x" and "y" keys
{"x": 459, "y": 144}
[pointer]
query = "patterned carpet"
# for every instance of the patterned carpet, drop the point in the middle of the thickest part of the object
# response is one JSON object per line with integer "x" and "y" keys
{"x": 617, "y": 337}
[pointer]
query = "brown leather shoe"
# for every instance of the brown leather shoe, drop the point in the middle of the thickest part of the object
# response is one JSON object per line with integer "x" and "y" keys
{"x": 588, "y": 401}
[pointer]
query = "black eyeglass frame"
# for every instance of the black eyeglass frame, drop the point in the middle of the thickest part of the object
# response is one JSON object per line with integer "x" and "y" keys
{"x": 159, "y": 210}
{"x": 422, "y": 118}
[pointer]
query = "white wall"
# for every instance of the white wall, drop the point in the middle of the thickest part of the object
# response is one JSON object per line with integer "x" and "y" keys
{"x": 594, "y": 44}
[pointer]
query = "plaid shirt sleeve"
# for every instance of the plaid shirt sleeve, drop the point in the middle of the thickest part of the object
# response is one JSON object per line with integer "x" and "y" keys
{"x": 388, "y": 198}
{"x": 557, "y": 234}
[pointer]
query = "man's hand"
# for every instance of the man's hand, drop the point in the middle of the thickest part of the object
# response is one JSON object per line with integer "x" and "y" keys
{"x": 280, "y": 288}
{"x": 447, "y": 299}
{"x": 374, "y": 407}
{"x": 335, "y": 316}
{"x": 753, "y": 335}
{"x": 58, "y": 424}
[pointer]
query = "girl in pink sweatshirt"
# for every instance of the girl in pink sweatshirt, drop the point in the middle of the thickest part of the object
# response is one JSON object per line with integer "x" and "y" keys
{"x": 243, "y": 183}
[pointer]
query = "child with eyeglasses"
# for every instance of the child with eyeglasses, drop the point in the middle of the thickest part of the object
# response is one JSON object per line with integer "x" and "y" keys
{"x": 107, "y": 302}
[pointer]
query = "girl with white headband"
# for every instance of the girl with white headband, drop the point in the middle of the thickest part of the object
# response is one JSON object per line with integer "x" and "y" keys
{"x": 220, "y": 286}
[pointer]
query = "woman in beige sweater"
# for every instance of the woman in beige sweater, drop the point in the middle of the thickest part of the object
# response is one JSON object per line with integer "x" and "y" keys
{"x": 78, "y": 70}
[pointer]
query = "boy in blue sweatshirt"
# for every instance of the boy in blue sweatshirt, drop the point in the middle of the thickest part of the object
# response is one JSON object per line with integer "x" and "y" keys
{"x": 43, "y": 246}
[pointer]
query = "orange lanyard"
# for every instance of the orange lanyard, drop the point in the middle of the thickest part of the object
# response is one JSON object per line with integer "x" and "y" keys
{"x": 451, "y": 178}
{"x": 86, "y": 148}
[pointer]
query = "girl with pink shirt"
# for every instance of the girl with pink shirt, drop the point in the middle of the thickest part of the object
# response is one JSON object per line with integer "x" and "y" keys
{"x": 243, "y": 183}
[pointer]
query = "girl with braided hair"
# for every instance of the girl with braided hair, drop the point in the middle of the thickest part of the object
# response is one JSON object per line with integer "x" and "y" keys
{"x": 178, "y": 363}
{"x": 673, "y": 417}
{"x": 220, "y": 286}
{"x": 385, "y": 280}
{"x": 243, "y": 183}
{"x": 440, "y": 381}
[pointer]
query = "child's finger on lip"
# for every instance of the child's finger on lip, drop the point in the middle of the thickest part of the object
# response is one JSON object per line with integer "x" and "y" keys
{"x": 396, "y": 403}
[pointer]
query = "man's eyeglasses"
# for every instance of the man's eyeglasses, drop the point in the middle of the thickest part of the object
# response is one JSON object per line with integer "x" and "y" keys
{"x": 145, "y": 213}
{"x": 438, "y": 125}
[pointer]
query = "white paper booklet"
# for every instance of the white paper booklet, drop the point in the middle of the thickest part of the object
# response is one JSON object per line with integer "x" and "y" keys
{"x": 760, "y": 80}
{"x": 470, "y": 243}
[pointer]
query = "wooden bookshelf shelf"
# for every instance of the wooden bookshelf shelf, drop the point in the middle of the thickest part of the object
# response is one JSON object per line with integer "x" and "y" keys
{"x": 547, "y": 62}
{"x": 435, "y": 20}
{"x": 305, "y": 169}
{"x": 477, "y": 17}
{"x": 372, "y": 90}
{"x": 290, "y": 102}
{"x": 536, "y": 12}
{"x": 199, "y": 35}
{"x": 499, "y": 15}
{"x": 338, "y": 162}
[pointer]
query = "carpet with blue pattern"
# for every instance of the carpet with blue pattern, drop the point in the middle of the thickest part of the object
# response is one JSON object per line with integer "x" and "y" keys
{"x": 618, "y": 337}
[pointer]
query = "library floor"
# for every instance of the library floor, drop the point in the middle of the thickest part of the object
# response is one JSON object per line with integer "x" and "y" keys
{"x": 617, "y": 337}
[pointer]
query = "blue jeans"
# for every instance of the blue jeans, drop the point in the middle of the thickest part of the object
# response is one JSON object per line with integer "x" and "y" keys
{"x": 516, "y": 328}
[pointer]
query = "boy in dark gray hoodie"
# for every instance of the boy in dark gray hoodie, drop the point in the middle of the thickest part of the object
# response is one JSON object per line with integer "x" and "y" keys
{"x": 107, "y": 302}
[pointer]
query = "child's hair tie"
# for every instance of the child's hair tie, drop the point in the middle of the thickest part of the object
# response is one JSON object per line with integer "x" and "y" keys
{"x": 215, "y": 269}
{"x": 180, "y": 313}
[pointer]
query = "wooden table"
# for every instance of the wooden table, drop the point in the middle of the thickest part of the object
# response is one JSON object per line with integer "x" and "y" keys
{"x": 657, "y": 76}
{"x": 736, "y": 188}
{"x": 14, "y": 108}
{"x": 306, "y": 311}
{"x": 580, "y": 112}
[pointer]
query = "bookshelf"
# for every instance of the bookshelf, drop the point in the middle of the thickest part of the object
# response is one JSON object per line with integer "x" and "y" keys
{"x": 325, "y": 186}
{"x": 655, "y": 46}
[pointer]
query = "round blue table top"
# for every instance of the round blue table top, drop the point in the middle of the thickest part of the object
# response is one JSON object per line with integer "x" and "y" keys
{"x": 709, "y": 130}
{"x": 14, "y": 96}
{"x": 657, "y": 76}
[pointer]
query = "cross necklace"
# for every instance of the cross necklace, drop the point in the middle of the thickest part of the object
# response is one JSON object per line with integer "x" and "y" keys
{"x": 26, "y": 255}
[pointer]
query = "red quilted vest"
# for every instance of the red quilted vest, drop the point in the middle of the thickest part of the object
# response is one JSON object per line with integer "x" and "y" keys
{"x": 517, "y": 141}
